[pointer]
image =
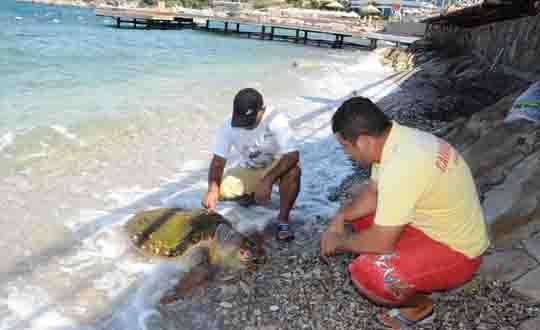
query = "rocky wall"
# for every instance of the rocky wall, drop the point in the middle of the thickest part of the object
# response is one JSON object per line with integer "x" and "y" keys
{"x": 512, "y": 43}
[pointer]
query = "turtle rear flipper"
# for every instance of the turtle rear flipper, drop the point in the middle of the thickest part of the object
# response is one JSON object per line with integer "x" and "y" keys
{"x": 196, "y": 277}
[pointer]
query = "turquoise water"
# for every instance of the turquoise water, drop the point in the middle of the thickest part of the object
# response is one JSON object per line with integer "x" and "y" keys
{"x": 98, "y": 123}
{"x": 65, "y": 68}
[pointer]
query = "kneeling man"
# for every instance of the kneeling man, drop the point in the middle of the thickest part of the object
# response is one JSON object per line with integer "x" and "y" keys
{"x": 268, "y": 154}
{"x": 418, "y": 225}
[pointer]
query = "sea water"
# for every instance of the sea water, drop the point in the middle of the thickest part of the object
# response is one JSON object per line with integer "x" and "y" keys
{"x": 97, "y": 123}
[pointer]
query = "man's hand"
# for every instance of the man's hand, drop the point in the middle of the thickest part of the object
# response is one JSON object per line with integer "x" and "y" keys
{"x": 210, "y": 199}
{"x": 263, "y": 191}
{"x": 330, "y": 242}
{"x": 337, "y": 224}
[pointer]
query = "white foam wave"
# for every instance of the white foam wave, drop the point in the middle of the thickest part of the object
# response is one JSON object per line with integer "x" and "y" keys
{"x": 23, "y": 301}
{"x": 31, "y": 306}
{"x": 155, "y": 282}
{"x": 84, "y": 217}
{"x": 104, "y": 250}
{"x": 113, "y": 283}
{"x": 34, "y": 155}
{"x": 67, "y": 134}
{"x": 126, "y": 196}
{"x": 6, "y": 140}
{"x": 110, "y": 242}
{"x": 53, "y": 320}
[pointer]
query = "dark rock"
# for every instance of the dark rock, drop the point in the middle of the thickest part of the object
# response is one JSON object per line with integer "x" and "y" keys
{"x": 506, "y": 265}
{"x": 532, "y": 245}
{"x": 528, "y": 286}
{"x": 531, "y": 324}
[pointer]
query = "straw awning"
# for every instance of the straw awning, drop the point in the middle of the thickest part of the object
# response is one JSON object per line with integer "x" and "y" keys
{"x": 334, "y": 5}
{"x": 370, "y": 10}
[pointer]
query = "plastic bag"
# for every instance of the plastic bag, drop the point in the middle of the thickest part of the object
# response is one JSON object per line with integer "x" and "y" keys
{"x": 527, "y": 105}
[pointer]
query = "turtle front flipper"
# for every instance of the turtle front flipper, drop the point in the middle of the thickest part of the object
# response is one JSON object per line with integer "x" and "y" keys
{"x": 195, "y": 278}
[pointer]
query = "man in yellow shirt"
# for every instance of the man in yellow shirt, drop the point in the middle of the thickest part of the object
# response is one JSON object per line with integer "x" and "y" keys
{"x": 419, "y": 225}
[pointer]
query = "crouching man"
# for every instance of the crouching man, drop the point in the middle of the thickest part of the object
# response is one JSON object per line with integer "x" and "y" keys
{"x": 418, "y": 225}
{"x": 263, "y": 139}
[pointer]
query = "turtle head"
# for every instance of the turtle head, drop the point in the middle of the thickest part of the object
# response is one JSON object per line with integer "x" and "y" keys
{"x": 228, "y": 248}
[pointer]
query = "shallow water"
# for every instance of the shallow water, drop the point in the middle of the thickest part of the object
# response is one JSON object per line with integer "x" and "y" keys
{"x": 98, "y": 123}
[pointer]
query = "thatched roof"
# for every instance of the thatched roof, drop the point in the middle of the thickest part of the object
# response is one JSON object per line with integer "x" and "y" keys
{"x": 487, "y": 12}
{"x": 334, "y": 5}
{"x": 370, "y": 10}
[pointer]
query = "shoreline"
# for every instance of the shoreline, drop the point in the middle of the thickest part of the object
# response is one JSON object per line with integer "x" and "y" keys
{"x": 78, "y": 3}
{"x": 296, "y": 289}
{"x": 81, "y": 198}
{"x": 305, "y": 289}
{"x": 317, "y": 18}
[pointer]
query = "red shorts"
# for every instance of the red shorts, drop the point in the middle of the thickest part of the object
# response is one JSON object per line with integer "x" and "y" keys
{"x": 419, "y": 264}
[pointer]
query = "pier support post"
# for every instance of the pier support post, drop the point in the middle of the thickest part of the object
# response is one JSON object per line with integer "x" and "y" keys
{"x": 118, "y": 22}
{"x": 263, "y": 31}
{"x": 297, "y": 36}
{"x": 305, "y": 37}
{"x": 237, "y": 27}
{"x": 272, "y": 33}
{"x": 372, "y": 44}
{"x": 226, "y": 27}
{"x": 207, "y": 24}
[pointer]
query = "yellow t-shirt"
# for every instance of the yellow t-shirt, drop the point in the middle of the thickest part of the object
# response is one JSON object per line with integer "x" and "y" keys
{"x": 424, "y": 182}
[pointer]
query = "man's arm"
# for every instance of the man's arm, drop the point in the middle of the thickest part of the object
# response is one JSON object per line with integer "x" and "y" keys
{"x": 285, "y": 163}
{"x": 215, "y": 173}
{"x": 375, "y": 239}
{"x": 361, "y": 206}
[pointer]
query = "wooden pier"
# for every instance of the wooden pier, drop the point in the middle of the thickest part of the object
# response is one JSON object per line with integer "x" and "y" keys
{"x": 278, "y": 32}
{"x": 396, "y": 39}
{"x": 149, "y": 19}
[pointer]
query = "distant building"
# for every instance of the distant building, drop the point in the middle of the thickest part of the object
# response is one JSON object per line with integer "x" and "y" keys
{"x": 385, "y": 6}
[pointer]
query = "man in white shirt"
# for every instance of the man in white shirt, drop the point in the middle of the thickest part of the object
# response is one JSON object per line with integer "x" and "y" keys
{"x": 263, "y": 141}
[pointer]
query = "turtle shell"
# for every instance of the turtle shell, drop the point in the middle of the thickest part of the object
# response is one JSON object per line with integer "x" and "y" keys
{"x": 168, "y": 232}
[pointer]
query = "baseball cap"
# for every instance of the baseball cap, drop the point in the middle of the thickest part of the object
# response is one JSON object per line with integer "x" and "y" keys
{"x": 247, "y": 103}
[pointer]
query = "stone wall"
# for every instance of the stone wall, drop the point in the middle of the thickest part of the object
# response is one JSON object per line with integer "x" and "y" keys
{"x": 512, "y": 43}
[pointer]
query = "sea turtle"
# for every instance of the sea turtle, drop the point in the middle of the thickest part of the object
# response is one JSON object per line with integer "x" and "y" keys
{"x": 200, "y": 237}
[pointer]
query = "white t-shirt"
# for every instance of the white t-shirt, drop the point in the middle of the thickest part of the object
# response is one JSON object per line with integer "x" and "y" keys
{"x": 258, "y": 147}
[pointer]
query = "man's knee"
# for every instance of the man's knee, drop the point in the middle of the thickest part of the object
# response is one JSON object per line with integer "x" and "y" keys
{"x": 378, "y": 281}
{"x": 372, "y": 295}
{"x": 294, "y": 173}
